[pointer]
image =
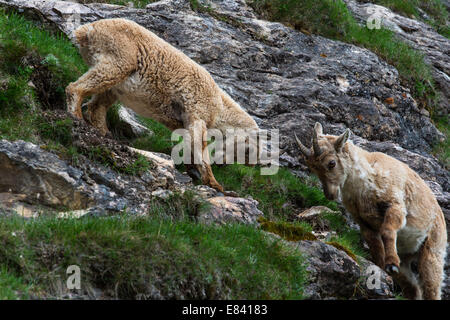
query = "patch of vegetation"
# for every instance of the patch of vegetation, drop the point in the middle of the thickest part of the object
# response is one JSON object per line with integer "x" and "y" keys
{"x": 278, "y": 195}
{"x": 11, "y": 287}
{"x": 347, "y": 239}
{"x": 138, "y": 257}
{"x": 435, "y": 10}
{"x": 60, "y": 130}
{"x": 289, "y": 231}
{"x": 159, "y": 141}
{"x": 339, "y": 246}
{"x": 179, "y": 206}
{"x": 35, "y": 68}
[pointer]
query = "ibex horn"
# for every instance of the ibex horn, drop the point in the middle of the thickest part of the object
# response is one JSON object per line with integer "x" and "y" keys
{"x": 316, "y": 146}
{"x": 303, "y": 149}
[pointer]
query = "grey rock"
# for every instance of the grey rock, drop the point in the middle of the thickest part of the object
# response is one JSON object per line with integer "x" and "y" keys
{"x": 128, "y": 124}
{"x": 335, "y": 275}
{"x": 35, "y": 180}
{"x": 420, "y": 36}
{"x": 224, "y": 210}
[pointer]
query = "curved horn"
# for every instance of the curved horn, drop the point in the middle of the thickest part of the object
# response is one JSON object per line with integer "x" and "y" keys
{"x": 316, "y": 147}
{"x": 303, "y": 149}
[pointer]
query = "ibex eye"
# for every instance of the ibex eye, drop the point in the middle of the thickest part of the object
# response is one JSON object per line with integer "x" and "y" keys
{"x": 331, "y": 164}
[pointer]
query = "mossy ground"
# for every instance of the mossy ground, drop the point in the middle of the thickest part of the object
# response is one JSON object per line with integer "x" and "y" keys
{"x": 288, "y": 231}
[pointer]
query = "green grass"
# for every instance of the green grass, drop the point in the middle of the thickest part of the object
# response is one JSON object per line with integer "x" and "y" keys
{"x": 159, "y": 141}
{"x": 279, "y": 195}
{"x": 11, "y": 287}
{"x": 345, "y": 237}
{"x": 291, "y": 231}
{"x": 130, "y": 256}
{"x": 22, "y": 47}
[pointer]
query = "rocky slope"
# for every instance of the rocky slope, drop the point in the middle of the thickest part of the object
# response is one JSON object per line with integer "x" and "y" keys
{"x": 286, "y": 79}
{"x": 420, "y": 36}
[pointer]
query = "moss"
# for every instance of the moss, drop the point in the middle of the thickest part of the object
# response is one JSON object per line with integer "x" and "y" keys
{"x": 286, "y": 230}
{"x": 343, "y": 248}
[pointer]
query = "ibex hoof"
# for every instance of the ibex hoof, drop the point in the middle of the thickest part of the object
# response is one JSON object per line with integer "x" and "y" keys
{"x": 392, "y": 269}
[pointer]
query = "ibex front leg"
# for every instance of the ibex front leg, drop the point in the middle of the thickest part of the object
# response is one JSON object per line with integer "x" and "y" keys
{"x": 100, "y": 78}
{"x": 197, "y": 130}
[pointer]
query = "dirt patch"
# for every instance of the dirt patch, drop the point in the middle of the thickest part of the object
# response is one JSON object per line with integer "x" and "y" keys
{"x": 47, "y": 85}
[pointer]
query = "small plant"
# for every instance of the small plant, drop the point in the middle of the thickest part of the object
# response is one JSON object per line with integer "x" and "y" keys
{"x": 177, "y": 206}
{"x": 139, "y": 166}
{"x": 59, "y": 131}
{"x": 341, "y": 247}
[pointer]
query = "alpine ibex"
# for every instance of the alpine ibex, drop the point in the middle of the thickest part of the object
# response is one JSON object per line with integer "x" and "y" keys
{"x": 131, "y": 64}
{"x": 399, "y": 217}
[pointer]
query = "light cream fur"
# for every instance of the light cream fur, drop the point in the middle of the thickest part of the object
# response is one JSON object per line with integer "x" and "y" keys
{"x": 399, "y": 216}
{"x": 131, "y": 64}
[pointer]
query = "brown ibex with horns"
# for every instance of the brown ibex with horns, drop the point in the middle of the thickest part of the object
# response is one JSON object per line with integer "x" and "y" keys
{"x": 399, "y": 217}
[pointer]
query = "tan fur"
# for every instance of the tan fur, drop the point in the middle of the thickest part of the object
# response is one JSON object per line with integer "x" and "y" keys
{"x": 399, "y": 216}
{"x": 131, "y": 64}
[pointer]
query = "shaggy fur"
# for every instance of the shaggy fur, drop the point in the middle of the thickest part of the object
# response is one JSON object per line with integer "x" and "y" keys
{"x": 399, "y": 216}
{"x": 131, "y": 64}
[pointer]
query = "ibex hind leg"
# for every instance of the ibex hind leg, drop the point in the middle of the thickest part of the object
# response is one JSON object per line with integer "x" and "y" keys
{"x": 431, "y": 269}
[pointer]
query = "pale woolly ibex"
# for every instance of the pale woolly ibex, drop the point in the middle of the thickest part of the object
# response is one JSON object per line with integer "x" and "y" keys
{"x": 131, "y": 64}
{"x": 399, "y": 216}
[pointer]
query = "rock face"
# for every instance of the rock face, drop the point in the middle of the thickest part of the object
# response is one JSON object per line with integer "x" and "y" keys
{"x": 420, "y": 36}
{"x": 285, "y": 79}
{"x": 334, "y": 275}
{"x": 128, "y": 125}
{"x": 35, "y": 181}
{"x": 230, "y": 209}
{"x": 42, "y": 179}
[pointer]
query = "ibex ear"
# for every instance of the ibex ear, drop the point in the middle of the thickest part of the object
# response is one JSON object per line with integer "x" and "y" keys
{"x": 340, "y": 142}
{"x": 318, "y": 128}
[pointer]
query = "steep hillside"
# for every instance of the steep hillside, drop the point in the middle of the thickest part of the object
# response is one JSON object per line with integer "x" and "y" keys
{"x": 386, "y": 85}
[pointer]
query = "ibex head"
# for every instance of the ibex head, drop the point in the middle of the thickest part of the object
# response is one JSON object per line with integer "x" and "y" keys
{"x": 326, "y": 159}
